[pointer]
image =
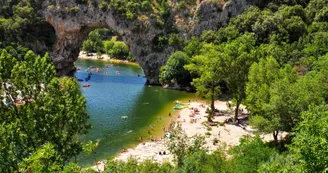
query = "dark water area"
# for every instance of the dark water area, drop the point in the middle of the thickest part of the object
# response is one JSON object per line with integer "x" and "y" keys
{"x": 112, "y": 96}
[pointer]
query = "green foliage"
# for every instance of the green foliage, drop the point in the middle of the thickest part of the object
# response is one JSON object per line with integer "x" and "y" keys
{"x": 94, "y": 43}
{"x": 175, "y": 40}
{"x": 282, "y": 163}
{"x": 200, "y": 162}
{"x": 193, "y": 47}
{"x": 209, "y": 68}
{"x": 53, "y": 111}
{"x": 174, "y": 71}
{"x": 119, "y": 50}
{"x": 131, "y": 166}
{"x": 311, "y": 142}
{"x": 238, "y": 55}
{"x": 132, "y": 8}
{"x": 159, "y": 42}
{"x": 98, "y": 43}
{"x": 250, "y": 154}
{"x": 181, "y": 147}
{"x": 43, "y": 160}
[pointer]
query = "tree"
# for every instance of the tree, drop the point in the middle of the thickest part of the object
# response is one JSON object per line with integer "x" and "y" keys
{"x": 173, "y": 70}
{"x": 108, "y": 45}
{"x": 87, "y": 46}
{"x": 42, "y": 160}
{"x": 39, "y": 108}
{"x": 200, "y": 162}
{"x": 193, "y": 47}
{"x": 286, "y": 162}
{"x": 119, "y": 50}
{"x": 94, "y": 42}
{"x": 260, "y": 91}
{"x": 181, "y": 146}
{"x": 209, "y": 69}
{"x": 238, "y": 56}
{"x": 277, "y": 96}
{"x": 310, "y": 143}
{"x": 250, "y": 154}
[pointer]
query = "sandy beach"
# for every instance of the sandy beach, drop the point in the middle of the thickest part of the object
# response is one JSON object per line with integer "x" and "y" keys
{"x": 228, "y": 134}
{"x": 103, "y": 57}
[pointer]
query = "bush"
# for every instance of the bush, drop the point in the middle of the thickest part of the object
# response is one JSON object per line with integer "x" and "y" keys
{"x": 174, "y": 69}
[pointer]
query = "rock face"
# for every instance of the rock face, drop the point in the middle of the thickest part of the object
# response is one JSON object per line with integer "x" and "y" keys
{"x": 72, "y": 27}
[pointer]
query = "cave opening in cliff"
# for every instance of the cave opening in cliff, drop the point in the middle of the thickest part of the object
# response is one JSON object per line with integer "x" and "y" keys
{"x": 104, "y": 43}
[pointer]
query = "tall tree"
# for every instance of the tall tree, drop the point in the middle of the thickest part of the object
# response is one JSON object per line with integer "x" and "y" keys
{"x": 238, "y": 56}
{"x": 38, "y": 108}
{"x": 209, "y": 69}
{"x": 266, "y": 80}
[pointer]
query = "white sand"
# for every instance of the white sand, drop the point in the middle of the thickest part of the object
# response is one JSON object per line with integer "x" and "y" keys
{"x": 228, "y": 134}
{"x": 83, "y": 55}
{"x": 104, "y": 57}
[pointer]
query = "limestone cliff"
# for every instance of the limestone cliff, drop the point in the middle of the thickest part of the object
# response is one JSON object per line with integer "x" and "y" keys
{"x": 72, "y": 27}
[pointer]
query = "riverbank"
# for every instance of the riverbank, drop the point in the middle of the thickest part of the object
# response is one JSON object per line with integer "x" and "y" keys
{"x": 192, "y": 122}
{"x": 104, "y": 57}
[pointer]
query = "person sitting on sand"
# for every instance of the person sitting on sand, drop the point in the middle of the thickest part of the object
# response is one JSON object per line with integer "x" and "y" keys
{"x": 160, "y": 153}
{"x": 164, "y": 153}
{"x": 123, "y": 150}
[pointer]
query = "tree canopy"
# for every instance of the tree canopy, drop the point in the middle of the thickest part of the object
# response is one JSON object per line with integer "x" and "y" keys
{"x": 38, "y": 108}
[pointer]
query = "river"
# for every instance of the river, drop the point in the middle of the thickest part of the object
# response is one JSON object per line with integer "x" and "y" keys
{"x": 112, "y": 96}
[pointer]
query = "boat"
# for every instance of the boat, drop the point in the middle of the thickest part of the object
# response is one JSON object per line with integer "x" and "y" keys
{"x": 124, "y": 117}
{"x": 180, "y": 106}
{"x": 80, "y": 80}
{"x": 86, "y": 85}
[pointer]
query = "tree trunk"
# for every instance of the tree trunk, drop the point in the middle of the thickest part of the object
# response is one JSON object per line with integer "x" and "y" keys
{"x": 237, "y": 110}
{"x": 212, "y": 99}
{"x": 275, "y": 136}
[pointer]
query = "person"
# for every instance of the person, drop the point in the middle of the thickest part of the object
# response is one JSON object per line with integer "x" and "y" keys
{"x": 148, "y": 131}
{"x": 140, "y": 138}
{"x": 160, "y": 153}
{"x": 164, "y": 152}
{"x": 169, "y": 113}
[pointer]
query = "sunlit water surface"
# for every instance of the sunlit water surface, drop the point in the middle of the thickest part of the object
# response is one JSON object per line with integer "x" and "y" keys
{"x": 112, "y": 96}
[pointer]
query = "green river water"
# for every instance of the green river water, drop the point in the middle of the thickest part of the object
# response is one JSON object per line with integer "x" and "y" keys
{"x": 112, "y": 96}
